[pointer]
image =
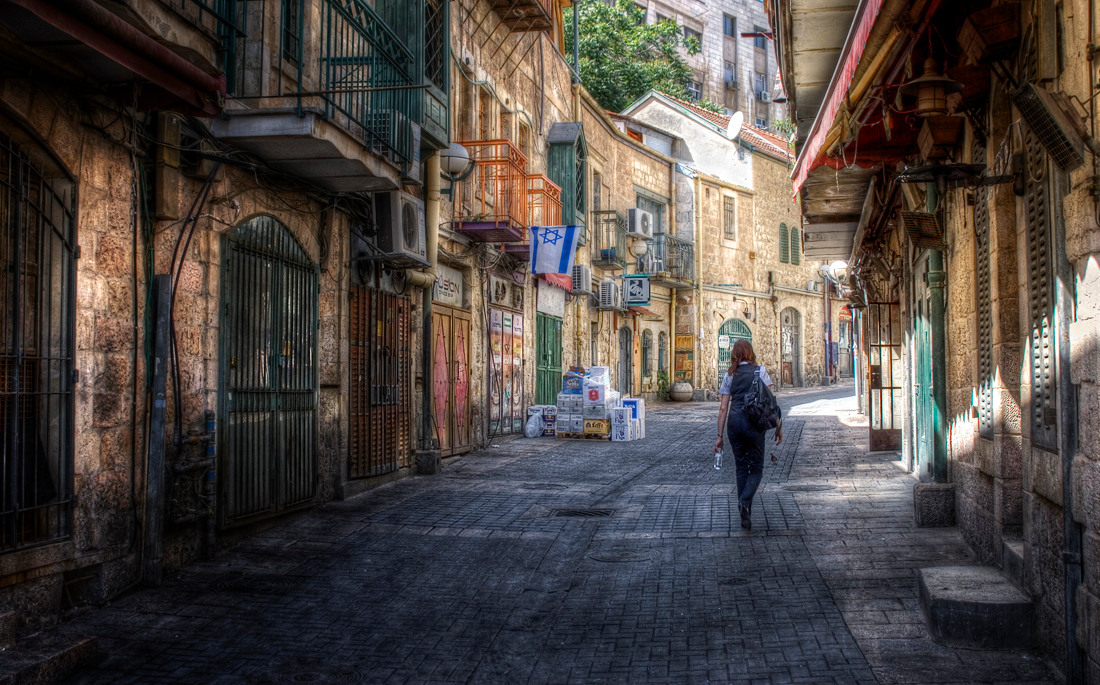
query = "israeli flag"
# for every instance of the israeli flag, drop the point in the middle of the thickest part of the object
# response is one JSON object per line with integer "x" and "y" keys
{"x": 553, "y": 249}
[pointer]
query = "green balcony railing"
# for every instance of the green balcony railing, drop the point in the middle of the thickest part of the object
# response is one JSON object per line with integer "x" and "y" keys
{"x": 368, "y": 79}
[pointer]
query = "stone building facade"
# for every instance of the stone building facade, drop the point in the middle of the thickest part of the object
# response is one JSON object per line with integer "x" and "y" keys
{"x": 736, "y": 66}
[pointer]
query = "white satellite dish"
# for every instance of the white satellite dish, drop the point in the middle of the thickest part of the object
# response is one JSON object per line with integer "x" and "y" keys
{"x": 734, "y": 128}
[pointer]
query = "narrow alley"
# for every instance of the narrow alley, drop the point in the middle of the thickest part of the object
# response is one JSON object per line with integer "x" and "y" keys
{"x": 552, "y": 561}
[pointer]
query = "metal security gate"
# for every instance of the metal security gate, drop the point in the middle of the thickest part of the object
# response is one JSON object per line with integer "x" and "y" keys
{"x": 37, "y": 241}
{"x": 267, "y": 442}
{"x": 450, "y": 385}
{"x": 729, "y": 333}
{"x": 506, "y": 405}
{"x": 379, "y": 439}
{"x": 885, "y": 374}
{"x": 626, "y": 361}
{"x": 790, "y": 347}
{"x": 548, "y": 354}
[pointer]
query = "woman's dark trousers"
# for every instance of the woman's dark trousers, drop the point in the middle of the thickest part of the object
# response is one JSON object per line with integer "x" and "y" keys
{"x": 747, "y": 444}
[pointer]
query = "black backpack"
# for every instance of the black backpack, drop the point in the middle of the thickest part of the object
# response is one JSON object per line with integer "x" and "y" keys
{"x": 759, "y": 405}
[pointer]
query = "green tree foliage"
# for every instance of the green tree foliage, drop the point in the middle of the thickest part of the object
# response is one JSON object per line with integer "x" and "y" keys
{"x": 622, "y": 57}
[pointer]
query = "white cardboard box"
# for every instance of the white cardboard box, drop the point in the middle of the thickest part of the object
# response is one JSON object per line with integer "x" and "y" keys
{"x": 620, "y": 415}
{"x": 620, "y": 432}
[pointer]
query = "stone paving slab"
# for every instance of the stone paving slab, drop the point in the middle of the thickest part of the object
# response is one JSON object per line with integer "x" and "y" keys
{"x": 543, "y": 561}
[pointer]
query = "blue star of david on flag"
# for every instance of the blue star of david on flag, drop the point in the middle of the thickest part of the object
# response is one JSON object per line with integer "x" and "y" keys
{"x": 553, "y": 249}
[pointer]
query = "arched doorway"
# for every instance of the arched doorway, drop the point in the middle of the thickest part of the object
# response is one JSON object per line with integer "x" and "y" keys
{"x": 626, "y": 361}
{"x": 730, "y": 332}
{"x": 790, "y": 347}
{"x": 268, "y": 414}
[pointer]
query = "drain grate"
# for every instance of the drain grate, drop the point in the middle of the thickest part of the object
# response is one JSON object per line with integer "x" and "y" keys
{"x": 734, "y": 581}
{"x": 584, "y": 513}
{"x": 622, "y": 556}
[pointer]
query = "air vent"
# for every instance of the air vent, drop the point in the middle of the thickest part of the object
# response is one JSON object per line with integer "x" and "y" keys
{"x": 923, "y": 229}
{"x": 1054, "y": 123}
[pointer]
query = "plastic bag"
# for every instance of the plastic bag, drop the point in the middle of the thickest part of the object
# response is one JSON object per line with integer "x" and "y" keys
{"x": 535, "y": 426}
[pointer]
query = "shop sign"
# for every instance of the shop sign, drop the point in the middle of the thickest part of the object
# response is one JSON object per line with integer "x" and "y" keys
{"x": 723, "y": 342}
{"x": 636, "y": 290}
{"x": 449, "y": 288}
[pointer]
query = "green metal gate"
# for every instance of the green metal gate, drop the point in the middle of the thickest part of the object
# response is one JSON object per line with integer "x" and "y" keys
{"x": 548, "y": 351}
{"x": 733, "y": 330}
{"x": 268, "y": 409}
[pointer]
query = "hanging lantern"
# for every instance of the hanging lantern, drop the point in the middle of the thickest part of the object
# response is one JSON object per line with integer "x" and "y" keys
{"x": 931, "y": 89}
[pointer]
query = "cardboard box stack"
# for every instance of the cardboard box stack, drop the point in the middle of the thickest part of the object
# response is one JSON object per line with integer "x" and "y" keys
{"x": 628, "y": 420}
{"x": 549, "y": 414}
{"x": 588, "y": 405}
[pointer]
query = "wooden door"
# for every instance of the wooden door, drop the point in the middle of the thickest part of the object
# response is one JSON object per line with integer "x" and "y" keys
{"x": 450, "y": 384}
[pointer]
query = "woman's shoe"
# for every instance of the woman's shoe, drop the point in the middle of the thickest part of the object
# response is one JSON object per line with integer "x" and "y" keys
{"x": 746, "y": 521}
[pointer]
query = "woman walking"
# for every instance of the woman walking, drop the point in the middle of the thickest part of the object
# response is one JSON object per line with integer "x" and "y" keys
{"x": 746, "y": 442}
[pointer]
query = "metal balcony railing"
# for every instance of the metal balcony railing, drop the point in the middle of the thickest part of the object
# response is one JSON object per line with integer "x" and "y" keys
{"x": 609, "y": 239}
{"x": 543, "y": 209}
{"x": 366, "y": 79}
{"x": 491, "y": 205}
{"x": 669, "y": 260}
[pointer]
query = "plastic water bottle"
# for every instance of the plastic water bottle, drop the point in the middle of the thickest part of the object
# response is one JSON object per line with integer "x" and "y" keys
{"x": 717, "y": 460}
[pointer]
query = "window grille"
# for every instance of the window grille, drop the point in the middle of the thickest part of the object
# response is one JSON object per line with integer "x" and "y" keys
{"x": 984, "y": 306}
{"x": 37, "y": 241}
{"x": 784, "y": 246}
{"x": 796, "y": 245}
{"x": 662, "y": 351}
{"x": 729, "y": 216}
{"x": 292, "y": 30}
{"x": 596, "y": 198}
{"x": 434, "y": 43}
{"x": 647, "y": 349}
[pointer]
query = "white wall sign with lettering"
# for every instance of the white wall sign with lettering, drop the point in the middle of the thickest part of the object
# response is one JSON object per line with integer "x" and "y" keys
{"x": 449, "y": 288}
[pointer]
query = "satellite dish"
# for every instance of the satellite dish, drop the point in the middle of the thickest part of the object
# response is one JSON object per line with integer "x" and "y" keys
{"x": 734, "y": 128}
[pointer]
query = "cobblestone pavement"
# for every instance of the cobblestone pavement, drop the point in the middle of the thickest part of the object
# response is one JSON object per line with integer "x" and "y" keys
{"x": 544, "y": 561}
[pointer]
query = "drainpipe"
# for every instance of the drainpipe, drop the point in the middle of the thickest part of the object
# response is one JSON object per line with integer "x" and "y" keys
{"x": 428, "y": 457}
{"x": 697, "y": 206}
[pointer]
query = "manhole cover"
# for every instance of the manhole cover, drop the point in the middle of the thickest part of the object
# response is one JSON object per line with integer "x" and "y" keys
{"x": 622, "y": 556}
{"x": 809, "y": 488}
{"x": 584, "y": 513}
{"x": 734, "y": 580}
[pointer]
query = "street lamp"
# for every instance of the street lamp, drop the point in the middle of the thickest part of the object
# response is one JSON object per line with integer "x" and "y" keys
{"x": 456, "y": 165}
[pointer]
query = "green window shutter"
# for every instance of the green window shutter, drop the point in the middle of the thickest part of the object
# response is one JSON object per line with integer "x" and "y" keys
{"x": 784, "y": 247}
{"x": 796, "y": 245}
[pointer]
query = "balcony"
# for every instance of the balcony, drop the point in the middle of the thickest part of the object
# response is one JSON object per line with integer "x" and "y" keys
{"x": 526, "y": 15}
{"x": 609, "y": 239}
{"x": 342, "y": 111}
{"x": 669, "y": 261}
{"x": 543, "y": 209}
{"x": 491, "y": 204}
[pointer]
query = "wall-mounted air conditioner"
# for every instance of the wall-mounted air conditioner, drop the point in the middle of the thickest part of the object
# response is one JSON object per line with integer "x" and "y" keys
{"x": 732, "y": 84}
{"x": 397, "y": 139}
{"x": 582, "y": 278}
{"x": 639, "y": 223}
{"x": 764, "y": 96}
{"x": 400, "y": 221}
{"x": 611, "y": 295}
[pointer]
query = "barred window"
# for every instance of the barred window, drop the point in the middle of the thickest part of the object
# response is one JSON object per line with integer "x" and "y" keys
{"x": 292, "y": 30}
{"x": 729, "y": 217}
{"x": 647, "y": 348}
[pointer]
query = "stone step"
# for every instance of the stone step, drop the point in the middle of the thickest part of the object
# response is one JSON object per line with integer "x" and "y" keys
{"x": 46, "y": 658}
{"x": 975, "y": 607}
{"x": 1012, "y": 561}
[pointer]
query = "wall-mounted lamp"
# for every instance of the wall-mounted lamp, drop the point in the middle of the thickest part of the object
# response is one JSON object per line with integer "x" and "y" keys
{"x": 456, "y": 165}
{"x": 931, "y": 89}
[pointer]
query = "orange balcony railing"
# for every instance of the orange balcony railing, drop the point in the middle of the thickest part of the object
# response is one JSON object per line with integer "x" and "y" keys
{"x": 543, "y": 209}
{"x": 491, "y": 203}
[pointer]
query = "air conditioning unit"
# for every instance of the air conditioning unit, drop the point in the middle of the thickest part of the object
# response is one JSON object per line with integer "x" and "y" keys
{"x": 732, "y": 84}
{"x": 400, "y": 221}
{"x": 1052, "y": 119}
{"x": 397, "y": 139}
{"x": 611, "y": 295}
{"x": 639, "y": 223}
{"x": 764, "y": 96}
{"x": 582, "y": 278}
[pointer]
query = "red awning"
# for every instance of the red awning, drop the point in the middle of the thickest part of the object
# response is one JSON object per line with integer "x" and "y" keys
{"x": 838, "y": 88}
{"x": 642, "y": 311}
{"x": 560, "y": 280}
